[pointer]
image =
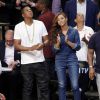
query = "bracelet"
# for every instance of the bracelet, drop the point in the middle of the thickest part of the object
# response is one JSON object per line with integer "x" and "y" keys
{"x": 90, "y": 66}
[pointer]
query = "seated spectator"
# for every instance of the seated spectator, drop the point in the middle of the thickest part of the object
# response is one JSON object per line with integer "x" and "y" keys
{"x": 9, "y": 57}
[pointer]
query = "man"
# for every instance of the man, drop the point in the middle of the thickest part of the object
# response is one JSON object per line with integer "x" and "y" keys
{"x": 30, "y": 40}
{"x": 47, "y": 17}
{"x": 85, "y": 33}
{"x": 94, "y": 46}
{"x": 10, "y": 58}
{"x": 88, "y": 8}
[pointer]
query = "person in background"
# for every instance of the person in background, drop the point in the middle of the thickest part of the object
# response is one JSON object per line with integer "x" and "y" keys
{"x": 87, "y": 7}
{"x": 6, "y": 7}
{"x": 2, "y": 97}
{"x": 47, "y": 17}
{"x": 30, "y": 41}
{"x": 85, "y": 33}
{"x": 58, "y": 5}
{"x": 9, "y": 57}
{"x": 94, "y": 70}
{"x": 66, "y": 42}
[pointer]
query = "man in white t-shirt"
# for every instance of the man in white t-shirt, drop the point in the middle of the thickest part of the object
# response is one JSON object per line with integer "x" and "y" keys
{"x": 85, "y": 33}
{"x": 30, "y": 36}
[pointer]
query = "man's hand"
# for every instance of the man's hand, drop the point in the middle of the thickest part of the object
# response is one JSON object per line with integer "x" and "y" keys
{"x": 12, "y": 64}
{"x": 91, "y": 73}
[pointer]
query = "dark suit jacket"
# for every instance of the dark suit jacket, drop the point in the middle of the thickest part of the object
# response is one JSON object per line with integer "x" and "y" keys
{"x": 91, "y": 13}
{"x": 2, "y": 54}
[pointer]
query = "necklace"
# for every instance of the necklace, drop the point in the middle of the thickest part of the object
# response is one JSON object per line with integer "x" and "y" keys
{"x": 30, "y": 38}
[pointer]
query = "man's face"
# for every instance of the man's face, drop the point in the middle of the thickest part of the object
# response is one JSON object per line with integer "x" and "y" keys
{"x": 9, "y": 38}
{"x": 80, "y": 17}
{"x": 39, "y": 6}
{"x": 27, "y": 12}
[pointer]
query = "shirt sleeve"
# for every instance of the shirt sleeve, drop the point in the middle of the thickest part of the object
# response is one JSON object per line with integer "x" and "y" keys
{"x": 91, "y": 44}
{"x": 17, "y": 33}
{"x": 44, "y": 30}
{"x": 77, "y": 41}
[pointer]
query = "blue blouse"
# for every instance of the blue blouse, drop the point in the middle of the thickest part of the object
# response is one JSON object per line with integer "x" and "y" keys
{"x": 65, "y": 50}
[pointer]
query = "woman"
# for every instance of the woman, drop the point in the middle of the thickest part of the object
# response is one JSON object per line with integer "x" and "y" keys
{"x": 66, "y": 42}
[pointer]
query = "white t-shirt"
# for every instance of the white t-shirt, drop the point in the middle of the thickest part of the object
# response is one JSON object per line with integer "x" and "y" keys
{"x": 82, "y": 53}
{"x": 81, "y": 8}
{"x": 9, "y": 54}
{"x": 26, "y": 33}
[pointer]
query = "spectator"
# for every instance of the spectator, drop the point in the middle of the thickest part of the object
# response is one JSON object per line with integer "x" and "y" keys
{"x": 47, "y": 17}
{"x": 30, "y": 41}
{"x": 66, "y": 43}
{"x": 89, "y": 9}
{"x": 9, "y": 57}
{"x": 94, "y": 46}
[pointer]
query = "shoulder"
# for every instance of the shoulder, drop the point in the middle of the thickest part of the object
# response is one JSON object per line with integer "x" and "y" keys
{"x": 72, "y": 29}
{"x": 92, "y": 4}
{"x": 19, "y": 24}
{"x": 2, "y": 43}
{"x": 88, "y": 28}
{"x": 70, "y": 1}
{"x": 38, "y": 23}
{"x": 95, "y": 36}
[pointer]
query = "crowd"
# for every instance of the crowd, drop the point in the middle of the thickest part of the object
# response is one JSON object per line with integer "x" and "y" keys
{"x": 45, "y": 40}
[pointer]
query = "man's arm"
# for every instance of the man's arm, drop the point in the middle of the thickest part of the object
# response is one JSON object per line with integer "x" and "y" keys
{"x": 45, "y": 43}
{"x": 18, "y": 46}
{"x": 90, "y": 62}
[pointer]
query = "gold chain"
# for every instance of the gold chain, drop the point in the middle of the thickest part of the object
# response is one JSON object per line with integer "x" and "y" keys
{"x": 29, "y": 38}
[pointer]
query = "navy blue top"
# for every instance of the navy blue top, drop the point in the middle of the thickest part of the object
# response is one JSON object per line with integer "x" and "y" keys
{"x": 65, "y": 50}
{"x": 94, "y": 44}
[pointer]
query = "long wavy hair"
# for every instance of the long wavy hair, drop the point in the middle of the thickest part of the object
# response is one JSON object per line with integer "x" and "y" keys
{"x": 56, "y": 29}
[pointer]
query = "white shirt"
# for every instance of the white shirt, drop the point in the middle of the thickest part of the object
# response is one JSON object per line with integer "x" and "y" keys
{"x": 9, "y": 54}
{"x": 81, "y": 8}
{"x": 82, "y": 53}
{"x": 26, "y": 33}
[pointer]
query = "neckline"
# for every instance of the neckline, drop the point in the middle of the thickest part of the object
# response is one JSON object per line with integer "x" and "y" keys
{"x": 30, "y": 38}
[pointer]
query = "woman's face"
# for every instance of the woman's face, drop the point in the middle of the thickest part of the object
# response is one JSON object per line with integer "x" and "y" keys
{"x": 61, "y": 20}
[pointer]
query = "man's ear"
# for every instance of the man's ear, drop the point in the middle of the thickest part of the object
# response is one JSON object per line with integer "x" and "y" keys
{"x": 23, "y": 15}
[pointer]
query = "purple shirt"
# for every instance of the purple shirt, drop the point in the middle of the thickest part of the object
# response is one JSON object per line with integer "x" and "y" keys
{"x": 56, "y": 6}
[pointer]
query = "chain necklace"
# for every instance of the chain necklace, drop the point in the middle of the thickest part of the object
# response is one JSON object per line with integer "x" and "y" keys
{"x": 29, "y": 37}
